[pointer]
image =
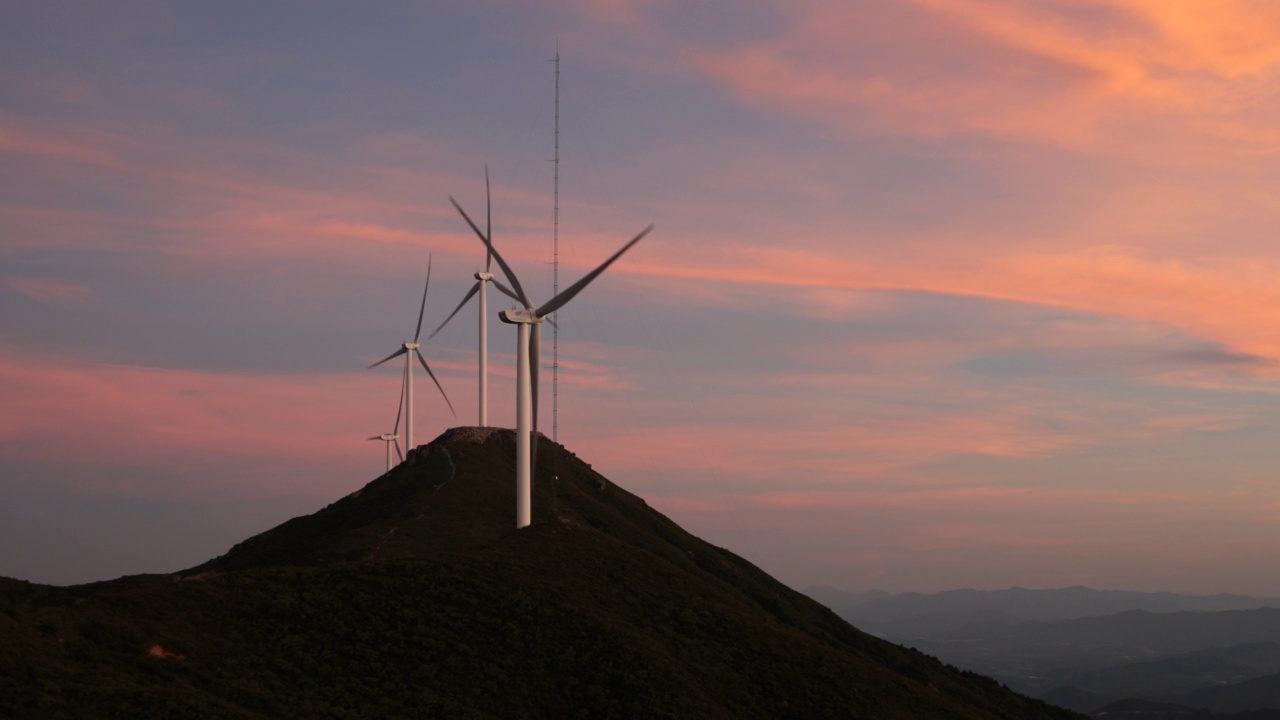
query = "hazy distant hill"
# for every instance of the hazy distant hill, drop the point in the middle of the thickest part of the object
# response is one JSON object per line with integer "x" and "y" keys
{"x": 1152, "y": 710}
{"x": 1135, "y": 709}
{"x": 1084, "y": 648}
{"x": 1133, "y": 631}
{"x": 1258, "y": 692}
{"x": 1036, "y": 657}
{"x": 1174, "y": 678}
{"x": 414, "y": 597}
{"x": 927, "y": 615}
{"x": 1176, "y": 674}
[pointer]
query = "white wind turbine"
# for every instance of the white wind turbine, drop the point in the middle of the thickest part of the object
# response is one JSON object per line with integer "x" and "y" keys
{"x": 393, "y": 437}
{"x": 410, "y": 350}
{"x": 529, "y": 325}
{"x": 482, "y": 279}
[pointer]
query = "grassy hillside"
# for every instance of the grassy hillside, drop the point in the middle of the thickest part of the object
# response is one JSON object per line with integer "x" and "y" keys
{"x": 414, "y": 597}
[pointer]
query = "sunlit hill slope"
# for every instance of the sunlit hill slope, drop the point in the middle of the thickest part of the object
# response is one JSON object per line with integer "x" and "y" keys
{"x": 415, "y": 597}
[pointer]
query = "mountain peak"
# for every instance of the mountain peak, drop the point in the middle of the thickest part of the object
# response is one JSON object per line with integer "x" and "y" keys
{"x": 453, "y": 494}
{"x": 415, "y": 595}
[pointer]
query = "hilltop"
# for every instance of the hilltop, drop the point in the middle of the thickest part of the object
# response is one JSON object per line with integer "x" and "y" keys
{"x": 415, "y": 597}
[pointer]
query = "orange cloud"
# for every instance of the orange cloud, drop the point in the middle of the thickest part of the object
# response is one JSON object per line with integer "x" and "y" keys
{"x": 1074, "y": 73}
{"x": 1231, "y": 38}
{"x": 1227, "y": 299}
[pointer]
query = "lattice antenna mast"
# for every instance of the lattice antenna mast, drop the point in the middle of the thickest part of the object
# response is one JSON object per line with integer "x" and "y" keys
{"x": 555, "y": 268}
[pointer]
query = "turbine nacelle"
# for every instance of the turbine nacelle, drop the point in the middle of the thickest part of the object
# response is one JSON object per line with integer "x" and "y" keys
{"x": 520, "y": 317}
{"x": 484, "y": 276}
{"x": 410, "y": 346}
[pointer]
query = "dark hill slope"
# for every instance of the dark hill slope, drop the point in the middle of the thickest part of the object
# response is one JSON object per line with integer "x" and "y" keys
{"x": 414, "y": 598}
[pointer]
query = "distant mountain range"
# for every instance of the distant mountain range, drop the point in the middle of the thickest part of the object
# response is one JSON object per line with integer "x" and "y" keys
{"x": 1087, "y": 649}
{"x": 881, "y": 612}
{"x": 415, "y": 597}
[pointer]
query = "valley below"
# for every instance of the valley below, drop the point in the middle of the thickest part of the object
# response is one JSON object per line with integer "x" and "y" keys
{"x": 1128, "y": 654}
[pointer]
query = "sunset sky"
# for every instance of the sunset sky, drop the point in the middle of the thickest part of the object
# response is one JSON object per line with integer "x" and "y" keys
{"x": 942, "y": 293}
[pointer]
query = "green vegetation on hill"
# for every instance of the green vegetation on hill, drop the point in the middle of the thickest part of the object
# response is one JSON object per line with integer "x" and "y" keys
{"x": 414, "y": 597}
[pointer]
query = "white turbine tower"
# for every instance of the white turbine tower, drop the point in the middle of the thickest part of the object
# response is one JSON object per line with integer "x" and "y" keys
{"x": 393, "y": 437}
{"x": 482, "y": 279}
{"x": 410, "y": 350}
{"x": 529, "y": 326}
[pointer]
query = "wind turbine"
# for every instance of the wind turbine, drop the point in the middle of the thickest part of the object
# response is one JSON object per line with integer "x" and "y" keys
{"x": 482, "y": 279}
{"x": 409, "y": 350}
{"x": 393, "y": 438}
{"x": 528, "y": 323}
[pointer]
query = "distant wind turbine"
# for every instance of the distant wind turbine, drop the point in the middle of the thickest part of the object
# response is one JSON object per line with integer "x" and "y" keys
{"x": 393, "y": 438}
{"x": 482, "y": 279}
{"x": 390, "y": 440}
{"x": 527, "y": 358}
{"x": 409, "y": 350}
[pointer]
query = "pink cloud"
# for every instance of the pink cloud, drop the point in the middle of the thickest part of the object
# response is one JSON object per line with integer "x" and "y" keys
{"x": 49, "y": 290}
{"x": 225, "y": 199}
{"x": 121, "y": 414}
{"x": 23, "y": 141}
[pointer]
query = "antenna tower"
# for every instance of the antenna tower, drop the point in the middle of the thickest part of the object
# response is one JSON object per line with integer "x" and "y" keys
{"x": 555, "y": 269}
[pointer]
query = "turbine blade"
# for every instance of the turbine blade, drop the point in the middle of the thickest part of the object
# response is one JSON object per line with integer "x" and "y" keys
{"x": 398, "y": 452}
{"x": 506, "y": 269}
{"x": 375, "y": 437}
{"x": 434, "y": 380}
{"x": 488, "y": 221}
{"x": 470, "y": 293}
{"x": 567, "y": 294}
{"x": 505, "y": 290}
{"x": 423, "y": 308}
{"x": 395, "y": 354}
